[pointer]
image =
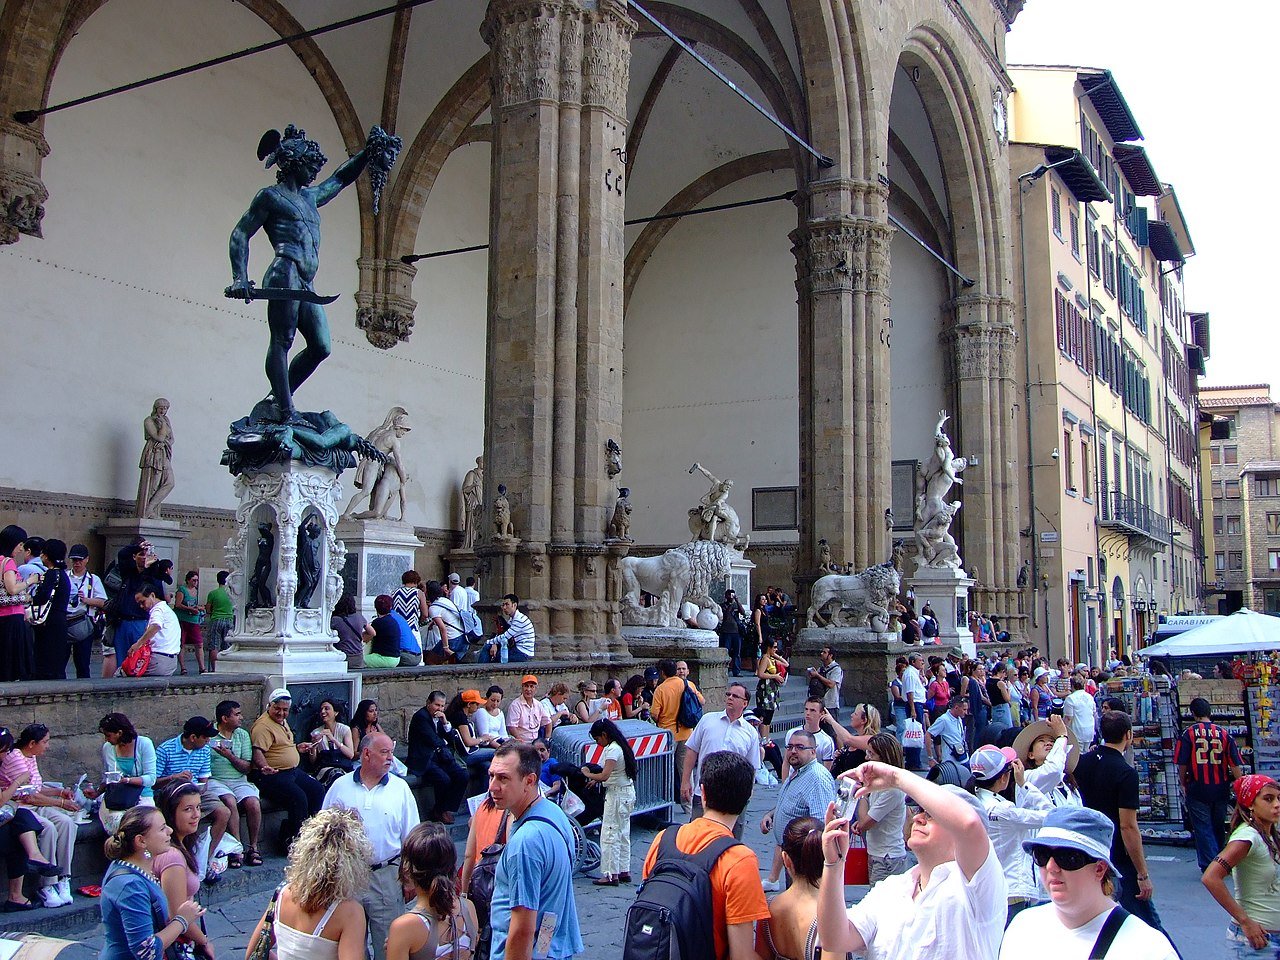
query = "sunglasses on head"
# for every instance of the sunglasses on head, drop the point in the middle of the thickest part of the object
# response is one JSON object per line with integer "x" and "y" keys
{"x": 1066, "y": 858}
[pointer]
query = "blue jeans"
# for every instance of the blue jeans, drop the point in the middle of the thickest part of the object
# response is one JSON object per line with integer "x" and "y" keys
{"x": 733, "y": 645}
{"x": 499, "y": 654}
{"x": 1002, "y": 715}
{"x": 128, "y": 632}
{"x": 1236, "y": 937}
{"x": 1144, "y": 910}
{"x": 1209, "y": 828}
{"x": 518, "y": 657}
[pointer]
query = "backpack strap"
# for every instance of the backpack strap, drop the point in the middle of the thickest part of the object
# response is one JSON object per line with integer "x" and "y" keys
{"x": 1107, "y": 935}
{"x": 551, "y": 823}
{"x": 706, "y": 858}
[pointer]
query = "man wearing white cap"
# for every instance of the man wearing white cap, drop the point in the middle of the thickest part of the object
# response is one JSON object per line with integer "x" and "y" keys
{"x": 1073, "y": 854}
{"x": 276, "y": 769}
{"x": 457, "y": 592}
{"x": 950, "y": 906}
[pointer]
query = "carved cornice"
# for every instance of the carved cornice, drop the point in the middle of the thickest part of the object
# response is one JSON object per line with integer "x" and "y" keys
{"x": 842, "y": 255}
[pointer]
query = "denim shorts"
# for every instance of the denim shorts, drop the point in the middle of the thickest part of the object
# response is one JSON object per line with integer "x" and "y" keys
{"x": 1243, "y": 950}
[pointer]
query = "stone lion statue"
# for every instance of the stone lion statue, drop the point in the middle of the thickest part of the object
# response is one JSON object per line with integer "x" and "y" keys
{"x": 683, "y": 573}
{"x": 861, "y": 600}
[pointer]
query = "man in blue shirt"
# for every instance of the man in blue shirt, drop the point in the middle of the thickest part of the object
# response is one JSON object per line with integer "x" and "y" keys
{"x": 186, "y": 759}
{"x": 533, "y": 914}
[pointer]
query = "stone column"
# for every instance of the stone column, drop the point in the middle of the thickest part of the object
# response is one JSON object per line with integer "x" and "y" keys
{"x": 553, "y": 390}
{"x": 980, "y": 351}
{"x": 842, "y": 275}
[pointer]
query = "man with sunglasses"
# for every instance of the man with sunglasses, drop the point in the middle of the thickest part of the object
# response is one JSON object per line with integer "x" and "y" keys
{"x": 1073, "y": 854}
{"x": 723, "y": 730}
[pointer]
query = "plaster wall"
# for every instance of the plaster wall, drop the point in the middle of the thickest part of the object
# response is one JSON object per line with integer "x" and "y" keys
{"x": 122, "y": 302}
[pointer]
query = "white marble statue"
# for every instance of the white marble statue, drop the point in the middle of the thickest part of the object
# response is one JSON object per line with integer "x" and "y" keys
{"x": 156, "y": 462}
{"x": 379, "y": 482}
{"x": 683, "y": 574}
{"x": 713, "y": 519}
{"x": 472, "y": 504}
{"x": 861, "y": 600}
{"x": 934, "y": 513}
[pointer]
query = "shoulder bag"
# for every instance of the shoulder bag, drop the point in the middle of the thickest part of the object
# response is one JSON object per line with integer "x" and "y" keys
{"x": 264, "y": 948}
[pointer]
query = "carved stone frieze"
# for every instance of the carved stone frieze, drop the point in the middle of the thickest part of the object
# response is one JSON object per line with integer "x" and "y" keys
{"x": 844, "y": 255}
{"x": 980, "y": 352}
{"x": 384, "y": 328}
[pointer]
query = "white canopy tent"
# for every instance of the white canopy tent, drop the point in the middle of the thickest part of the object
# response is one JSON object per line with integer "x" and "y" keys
{"x": 1241, "y": 632}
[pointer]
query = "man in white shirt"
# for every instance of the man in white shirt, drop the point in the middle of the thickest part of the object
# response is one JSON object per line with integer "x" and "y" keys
{"x": 163, "y": 633}
{"x": 830, "y": 675}
{"x": 457, "y": 592}
{"x": 515, "y": 644}
{"x": 85, "y": 601}
{"x": 951, "y": 906}
{"x": 812, "y": 725}
{"x": 388, "y": 811}
{"x": 1080, "y": 712}
{"x": 1073, "y": 854}
{"x": 473, "y": 595}
{"x": 945, "y": 738}
{"x": 722, "y": 730}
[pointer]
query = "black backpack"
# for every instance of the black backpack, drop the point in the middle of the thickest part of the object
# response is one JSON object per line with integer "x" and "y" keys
{"x": 690, "y": 711}
{"x": 670, "y": 918}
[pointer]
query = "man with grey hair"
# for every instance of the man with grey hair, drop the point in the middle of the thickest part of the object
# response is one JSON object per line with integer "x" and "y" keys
{"x": 805, "y": 793}
{"x": 723, "y": 730}
{"x": 389, "y": 811}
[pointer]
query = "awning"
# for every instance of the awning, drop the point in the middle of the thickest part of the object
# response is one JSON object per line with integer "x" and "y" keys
{"x": 1242, "y": 632}
{"x": 1200, "y": 330}
{"x": 1138, "y": 172}
{"x": 1163, "y": 243}
{"x": 1077, "y": 173}
{"x": 1101, "y": 88}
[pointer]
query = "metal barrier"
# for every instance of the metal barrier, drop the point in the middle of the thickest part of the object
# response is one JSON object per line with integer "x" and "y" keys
{"x": 653, "y": 746}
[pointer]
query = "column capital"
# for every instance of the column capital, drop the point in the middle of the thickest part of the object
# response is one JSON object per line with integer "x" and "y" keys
{"x": 22, "y": 194}
{"x": 606, "y": 57}
{"x": 524, "y": 37}
{"x": 842, "y": 255}
{"x": 384, "y": 307}
{"x": 981, "y": 351}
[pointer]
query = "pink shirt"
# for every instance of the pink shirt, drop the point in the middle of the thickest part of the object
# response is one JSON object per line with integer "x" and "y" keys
{"x": 525, "y": 720}
{"x": 15, "y": 762}
{"x": 8, "y": 609}
{"x": 173, "y": 859}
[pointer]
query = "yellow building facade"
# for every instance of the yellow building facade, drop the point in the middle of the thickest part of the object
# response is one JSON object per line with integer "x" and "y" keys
{"x": 1111, "y": 358}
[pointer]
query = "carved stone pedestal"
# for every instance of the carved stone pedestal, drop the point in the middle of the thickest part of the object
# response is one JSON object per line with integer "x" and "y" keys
{"x": 946, "y": 591}
{"x": 377, "y": 553}
{"x": 165, "y": 536}
{"x": 708, "y": 661}
{"x": 272, "y": 635}
{"x": 866, "y": 655}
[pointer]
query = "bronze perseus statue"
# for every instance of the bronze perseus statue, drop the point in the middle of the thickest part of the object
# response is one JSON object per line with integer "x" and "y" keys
{"x": 289, "y": 214}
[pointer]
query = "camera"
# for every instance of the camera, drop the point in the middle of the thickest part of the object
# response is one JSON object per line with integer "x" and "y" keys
{"x": 846, "y": 799}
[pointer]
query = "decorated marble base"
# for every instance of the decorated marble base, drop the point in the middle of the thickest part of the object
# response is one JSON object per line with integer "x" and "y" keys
{"x": 377, "y": 553}
{"x": 285, "y": 561}
{"x": 165, "y": 536}
{"x": 653, "y": 643}
{"x": 946, "y": 591}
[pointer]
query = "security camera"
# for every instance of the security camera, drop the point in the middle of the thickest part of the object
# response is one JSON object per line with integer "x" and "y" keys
{"x": 1055, "y": 453}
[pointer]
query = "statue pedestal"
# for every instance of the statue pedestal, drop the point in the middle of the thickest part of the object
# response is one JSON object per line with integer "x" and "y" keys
{"x": 280, "y": 640}
{"x": 946, "y": 591}
{"x": 165, "y": 536}
{"x": 377, "y": 553}
{"x": 866, "y": 655}
{"x": 740, "y": 579}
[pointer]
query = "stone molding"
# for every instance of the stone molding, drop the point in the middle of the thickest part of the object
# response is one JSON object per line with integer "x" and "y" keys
{"x": 384, "y": 305}
{"x": 22, "y": 194}
{"x": 842, "y": 255}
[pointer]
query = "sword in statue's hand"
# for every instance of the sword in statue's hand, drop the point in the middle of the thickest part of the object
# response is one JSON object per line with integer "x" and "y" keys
{"x": 249, "y": 293}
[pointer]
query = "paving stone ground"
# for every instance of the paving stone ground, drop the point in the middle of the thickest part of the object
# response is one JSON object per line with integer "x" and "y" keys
{"x": 1196, "y": 923}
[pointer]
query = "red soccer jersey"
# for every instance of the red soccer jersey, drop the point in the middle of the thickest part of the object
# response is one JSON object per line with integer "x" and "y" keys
{"x": 1208, "y": 752}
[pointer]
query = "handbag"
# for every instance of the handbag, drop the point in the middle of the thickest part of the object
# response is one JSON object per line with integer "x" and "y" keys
{"x": 912, "y": 734}
{"x": 480, "y": 889}
{"x": 121, "y": 796}
{"x": 264, "y": 947}
{"x": 136, "y": 663}
{"x": 40, "y": 611}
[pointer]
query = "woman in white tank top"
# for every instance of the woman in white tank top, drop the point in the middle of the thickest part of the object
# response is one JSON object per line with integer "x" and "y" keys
{"x": 316, "y": 913}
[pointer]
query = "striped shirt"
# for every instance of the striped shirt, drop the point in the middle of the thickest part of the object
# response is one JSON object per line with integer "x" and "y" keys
{"x": 1208, "y": 752}
{"x": 519, "y": 633}
{"x": 805, "y": 793}
{"x": 172, "y": 757}
{"x": 407, "y": 602}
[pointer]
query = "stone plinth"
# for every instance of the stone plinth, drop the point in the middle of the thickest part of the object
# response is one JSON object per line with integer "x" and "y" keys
{"x": 946, "y": 591}
{"x": 377, "y": 553}
{"x": 273, "y": 636}
{"x": 866, "y": 655}
{"x": 166, "y": 537}
{"x": 708, "y": 661}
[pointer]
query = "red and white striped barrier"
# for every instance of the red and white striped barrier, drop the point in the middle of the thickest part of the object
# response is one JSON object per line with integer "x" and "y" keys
{"x": 646, "y": 746}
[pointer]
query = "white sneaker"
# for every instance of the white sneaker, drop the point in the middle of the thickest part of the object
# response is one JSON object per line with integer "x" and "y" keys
{"x": 50, "y": 897}
{"x": 64, "y": 891}
{"x": 772, "y": 886}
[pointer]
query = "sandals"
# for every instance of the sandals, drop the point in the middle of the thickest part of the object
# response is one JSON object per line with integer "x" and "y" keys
{"x": 252, "y": 858}
{"x": 235, "y": 861}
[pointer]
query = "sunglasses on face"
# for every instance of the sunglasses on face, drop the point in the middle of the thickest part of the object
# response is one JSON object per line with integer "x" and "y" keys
{"x": 1065, "y": 857}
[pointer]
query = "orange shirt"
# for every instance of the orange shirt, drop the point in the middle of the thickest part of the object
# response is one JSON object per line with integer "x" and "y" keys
{"x": 736, "y": 893}
{"x": 666, "y": 707}
{"x": 486, "y": 821}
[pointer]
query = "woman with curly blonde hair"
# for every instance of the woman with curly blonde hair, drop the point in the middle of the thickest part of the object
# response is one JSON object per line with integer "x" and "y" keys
{"x": 317, "y": 914}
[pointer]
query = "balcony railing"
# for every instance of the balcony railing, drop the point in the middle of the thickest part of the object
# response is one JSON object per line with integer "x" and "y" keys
{"x": 1121, "y": 512}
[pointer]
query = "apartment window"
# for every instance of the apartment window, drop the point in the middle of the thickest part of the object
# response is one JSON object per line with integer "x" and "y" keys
{"x": 1232, "y": 489}
{"x": 1271, "y": 601}
{"x": 1092, "y": 250}
{"x": 1273, "y": 524}
{"x": 1215, "y": 456}
{"x": 1224, "y": 428}
{"x": 1231, "y": 454}
{"x": 1086, "y": 487}
{"x": 1219, "y": 561}
{"x": 1265, "y": 487}
{"x": 1273, "y": 559}
{"x": 1217, "y": 526}
{"x": 1055, "y": 201}
{"x": 1234, "y": 527}
{"x": 1067, "y": 465}
{"x": 1235, "y": 559}
{"x": 1073, "y": 221}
